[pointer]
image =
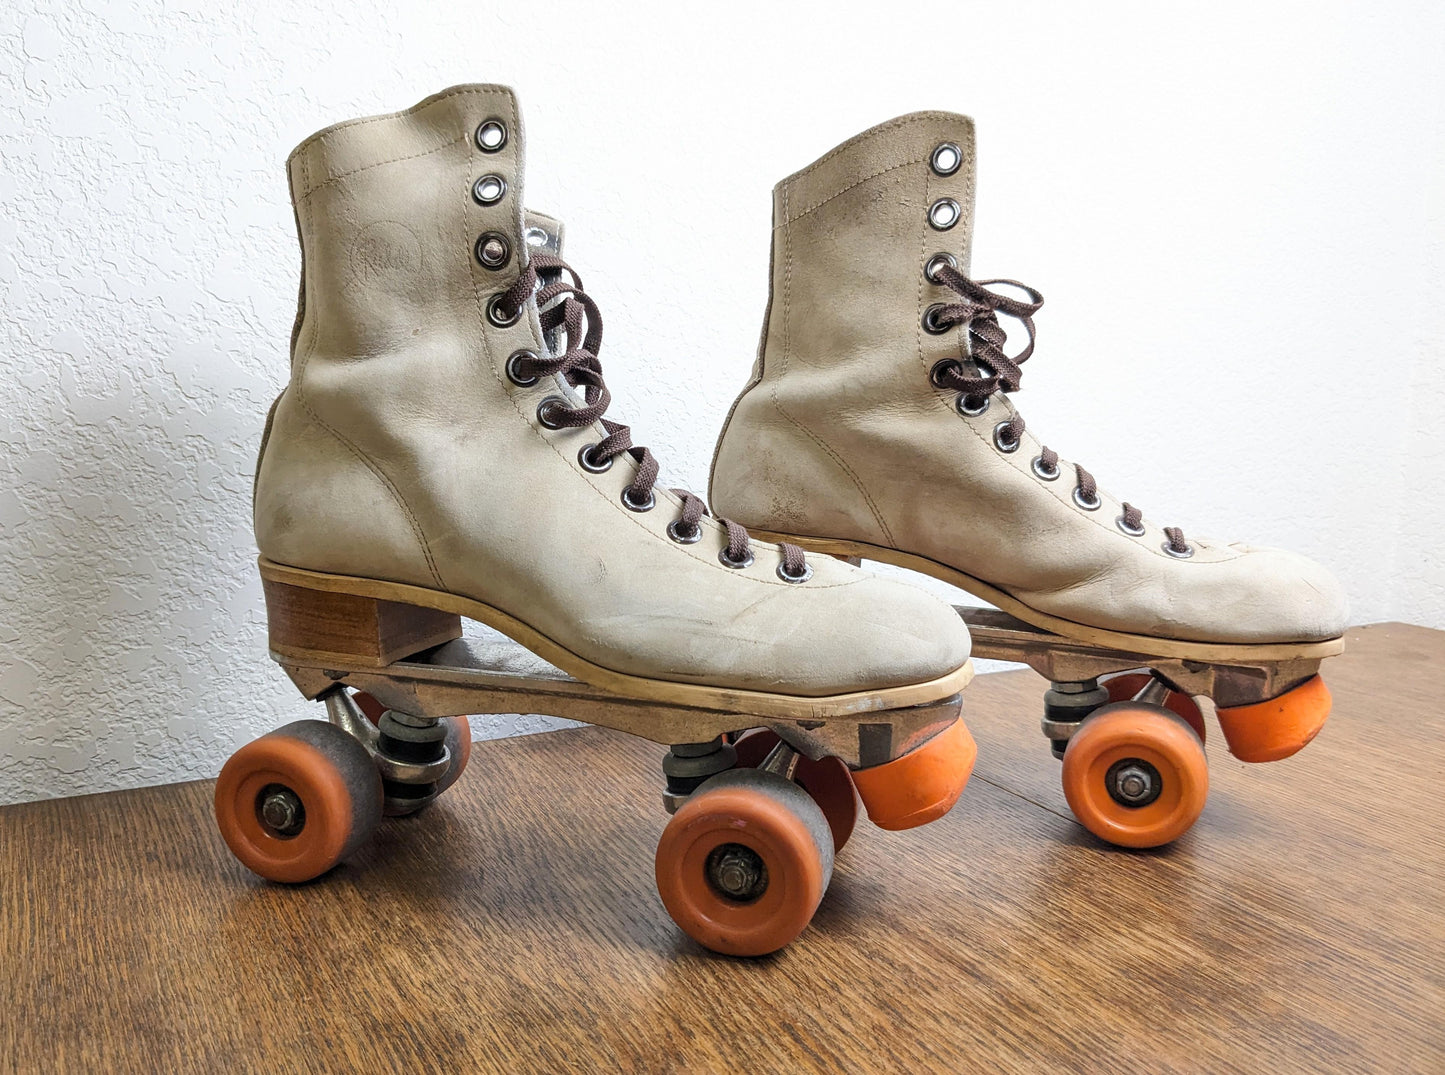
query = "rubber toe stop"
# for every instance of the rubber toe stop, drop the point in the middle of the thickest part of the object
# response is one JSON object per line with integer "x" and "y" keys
{"x": 1269, "y": 731}
{"x": 922, "y": 785}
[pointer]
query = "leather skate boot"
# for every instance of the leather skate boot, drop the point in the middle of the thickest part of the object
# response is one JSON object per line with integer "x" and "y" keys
{"x": 878, "y": 424}
{"x": 432, "y": 451}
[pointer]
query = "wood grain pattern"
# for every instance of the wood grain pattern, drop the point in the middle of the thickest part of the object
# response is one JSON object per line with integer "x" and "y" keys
{"x": 322, "y": 625}
{"x": 514, "y": 926}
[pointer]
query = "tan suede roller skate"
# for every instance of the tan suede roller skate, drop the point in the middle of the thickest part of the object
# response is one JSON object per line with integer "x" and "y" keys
{"x": 441, "y": 452}
{"x": 878, "y": 425}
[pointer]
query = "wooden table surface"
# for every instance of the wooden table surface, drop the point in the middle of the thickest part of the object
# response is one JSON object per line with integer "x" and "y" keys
{"x": 515, "y": 927}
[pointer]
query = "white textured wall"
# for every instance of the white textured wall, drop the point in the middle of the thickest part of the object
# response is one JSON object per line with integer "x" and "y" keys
{"x": 1235, "y": 214}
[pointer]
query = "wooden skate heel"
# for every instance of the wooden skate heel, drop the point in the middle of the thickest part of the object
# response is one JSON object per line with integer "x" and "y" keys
{"x": 320, "y": 625}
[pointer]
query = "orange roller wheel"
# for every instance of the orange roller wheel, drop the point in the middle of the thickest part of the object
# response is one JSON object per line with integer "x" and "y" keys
{"x": 1122, "y": 688}
{"x": 1135, "y": 775}
{"x": 827, "y": 781}
{"x": 922, "y": 785}
{"x": 294, "y": 803}
{"x": 1269, "y": 731}
{"x": 744, "y": 863}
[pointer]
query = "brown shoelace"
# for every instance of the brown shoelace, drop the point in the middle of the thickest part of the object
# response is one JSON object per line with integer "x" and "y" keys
{"x": 562, "y": 304}
{"x": 996, "y": 371}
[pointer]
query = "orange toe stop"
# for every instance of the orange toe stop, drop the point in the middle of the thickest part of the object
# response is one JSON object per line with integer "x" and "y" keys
{"x": 922, "y": 785}
{"x": 1269, "y": 731}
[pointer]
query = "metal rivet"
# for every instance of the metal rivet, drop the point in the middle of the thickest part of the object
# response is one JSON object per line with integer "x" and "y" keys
{"x": 633, "y": 504}
{"x": 493, "y": 250}
{"x": 592, "y": 463}
{"x": 796, "y": 580}
{"x": 1001, "y": 441}
{"x": 491, "y": 135}
{"x": 946, "y": 159}
{"x": 515, "y": 369}
{"x": 736, "y": 565}
{"x": 944, "y": 214}
{"x": 1044, "y": 472}
{"x": 681, "y": 536}
{"x": 961, "y": 403}
{"x": 497, "y": 316}
{"x": 549, "y": 409}
{"x": 489, "y": 189}
{"x": 932, "y": 266}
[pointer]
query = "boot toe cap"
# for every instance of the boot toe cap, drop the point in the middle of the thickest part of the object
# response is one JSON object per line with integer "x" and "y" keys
{"x": 886, "y": 634}
{"x": 1256, "y": 596}
{"x": 1288, "y": 597}
{"x": 1233, "y": 594}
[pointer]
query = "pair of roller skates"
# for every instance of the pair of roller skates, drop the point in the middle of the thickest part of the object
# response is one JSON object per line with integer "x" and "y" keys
{"x": 441, "y": 452}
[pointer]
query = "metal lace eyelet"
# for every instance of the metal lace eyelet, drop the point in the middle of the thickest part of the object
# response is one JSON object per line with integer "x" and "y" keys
{"x": 493, "y": 251}
{"x": 1001, "y": 441}
{"x": 961, "y": 404}
{"x": 946, "y": 159}
{"x": 1186, "y": 554}
{"x": 936, "y": 373}
{"x": 515, "y": 366}
{"x": 497, "y": 316}
{"x": 1124, "y": 527}
{"x": 1087, "y": 505}
{"x": 591, "y": 463}
{"x": 1043, "y": 472}
{"x": 933, "y": 264}
{"x": 798, "y": 579}
{"x": 944, "y": 214}
{"x": 736, "y": 565}
{"x": 931, "y": 323}
{"x": 631, "y": 503}
{"x": 491, "y": 135}
{"x": 683, "y": 536}
{"x": 549, "y": 410}
{"x": 489, "y": 189}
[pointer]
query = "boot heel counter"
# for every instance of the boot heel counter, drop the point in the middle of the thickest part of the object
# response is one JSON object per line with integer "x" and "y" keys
{"x": 261, "y": 453}
{"x": 771, "y": 474}
{"x": 719, "y": 488}
{"x": 730, "y": 479}
{"x": 317, "y": 505}
{"x": 716, "y": 486}
{"x": 769, "y": 469}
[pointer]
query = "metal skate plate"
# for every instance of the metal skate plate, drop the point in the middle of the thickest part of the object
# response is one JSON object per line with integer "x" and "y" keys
{"x": 999, "y": 636}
